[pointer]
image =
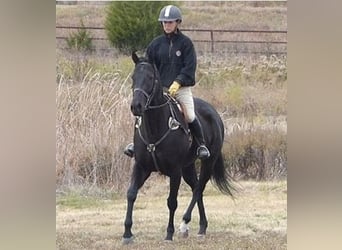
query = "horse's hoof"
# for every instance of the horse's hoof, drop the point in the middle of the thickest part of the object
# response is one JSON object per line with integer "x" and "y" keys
{"x": 126, "y": 241}
{"x": 184, "y": 230}
{"x": 200, "y": 236}
{"x": 184, "y": 234}
{"x": 167, "y": 241}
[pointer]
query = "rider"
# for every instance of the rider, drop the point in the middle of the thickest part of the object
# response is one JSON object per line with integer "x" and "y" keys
{"x": 174, "y": 55}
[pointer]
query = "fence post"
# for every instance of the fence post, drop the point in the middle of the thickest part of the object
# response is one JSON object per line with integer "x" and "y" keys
{"x": 212, "y": 40}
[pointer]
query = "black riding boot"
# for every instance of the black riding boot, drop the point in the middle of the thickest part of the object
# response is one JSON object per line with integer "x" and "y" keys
{"x": 197, "y": 132}
{"x": 129, "y": 150}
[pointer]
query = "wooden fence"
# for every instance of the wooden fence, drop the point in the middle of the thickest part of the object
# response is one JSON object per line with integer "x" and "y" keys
{"x": 205, "y": 40}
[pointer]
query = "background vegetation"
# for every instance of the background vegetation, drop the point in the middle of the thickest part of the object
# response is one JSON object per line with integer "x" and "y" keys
{"x": 129, "y": 28}
{"x": 94, "y": 124}
{"x": 80, "y": 40}
{"x": 93, "y": 93}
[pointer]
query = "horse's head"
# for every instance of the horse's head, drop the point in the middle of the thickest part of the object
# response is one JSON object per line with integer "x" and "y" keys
{"x": 145, "y": 85}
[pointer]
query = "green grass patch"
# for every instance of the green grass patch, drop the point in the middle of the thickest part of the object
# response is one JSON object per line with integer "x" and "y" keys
{"x": 77, "y": 201}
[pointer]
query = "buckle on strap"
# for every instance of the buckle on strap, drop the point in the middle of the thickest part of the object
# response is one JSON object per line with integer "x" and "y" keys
{"x": 151, "y": 147}
{"x": 173, "y": 123}
{"x": 137, "y": 121}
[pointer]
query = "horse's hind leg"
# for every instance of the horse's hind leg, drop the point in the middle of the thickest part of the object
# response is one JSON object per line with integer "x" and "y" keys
{"x": 138, "y": 178}
{"x": 190, "y": 177}
{"x": 205, "y": 174}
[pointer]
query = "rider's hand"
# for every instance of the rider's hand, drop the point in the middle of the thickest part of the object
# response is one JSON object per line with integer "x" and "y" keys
{"x": 174, "y": 88}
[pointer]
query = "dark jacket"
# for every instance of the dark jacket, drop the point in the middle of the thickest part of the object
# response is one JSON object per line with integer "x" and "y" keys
{"x": 175, "y": 58}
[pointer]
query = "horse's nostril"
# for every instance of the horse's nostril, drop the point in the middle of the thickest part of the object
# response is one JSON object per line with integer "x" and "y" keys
{"x": 137, "y": 109}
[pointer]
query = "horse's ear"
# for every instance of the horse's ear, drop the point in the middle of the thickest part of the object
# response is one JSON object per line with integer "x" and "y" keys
{"x": 135, "y": 57}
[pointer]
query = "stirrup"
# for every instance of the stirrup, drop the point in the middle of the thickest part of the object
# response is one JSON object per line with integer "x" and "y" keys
{"x": 203, "y": 152}
{"x": 129, "y": 150}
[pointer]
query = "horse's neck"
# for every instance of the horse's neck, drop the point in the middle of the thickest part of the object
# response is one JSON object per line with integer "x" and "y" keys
{"x": 155, "y": 121}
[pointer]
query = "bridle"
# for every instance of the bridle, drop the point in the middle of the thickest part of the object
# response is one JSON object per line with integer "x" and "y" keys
{"x": 173, "y": 123}
{"x": 150, "y": 96}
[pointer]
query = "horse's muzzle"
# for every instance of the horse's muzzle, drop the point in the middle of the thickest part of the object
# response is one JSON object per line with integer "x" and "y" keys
{"x": 137, "y": 108}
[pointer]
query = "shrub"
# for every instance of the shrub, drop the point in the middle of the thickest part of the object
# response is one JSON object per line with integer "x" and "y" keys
{"x": 132, "y": 25}
{"x": 80, "y": 40}
{"x": 257, "y": 154}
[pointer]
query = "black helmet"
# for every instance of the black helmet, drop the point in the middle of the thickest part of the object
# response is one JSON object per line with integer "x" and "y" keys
{"x": 170, "y": 13}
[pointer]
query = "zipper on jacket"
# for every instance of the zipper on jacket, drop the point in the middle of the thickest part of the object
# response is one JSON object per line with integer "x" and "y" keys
{"x": 170, "y": 47}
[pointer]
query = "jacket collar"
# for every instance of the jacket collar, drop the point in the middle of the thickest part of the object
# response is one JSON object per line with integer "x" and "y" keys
{"x": 173, "y": 35}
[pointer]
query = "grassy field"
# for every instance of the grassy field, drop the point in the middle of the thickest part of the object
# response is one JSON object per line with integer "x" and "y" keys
{"x": 257, "y": 219}
{"x": 197, "y": 15}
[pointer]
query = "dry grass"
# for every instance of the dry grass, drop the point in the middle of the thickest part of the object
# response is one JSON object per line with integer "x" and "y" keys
{"x": 93, "y": 123}
{"x": 233, "y": 15}
{"x": 239, "y": 87}
{"x": 93, "y": 93}
{"x": 256, "y": 220}
{"x": 198, "y": 15}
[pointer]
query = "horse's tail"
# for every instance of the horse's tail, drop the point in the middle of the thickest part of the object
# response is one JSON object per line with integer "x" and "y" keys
{"x": 221, "y": 178}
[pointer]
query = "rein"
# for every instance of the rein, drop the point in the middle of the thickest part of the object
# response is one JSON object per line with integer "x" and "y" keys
{"x": 149, "y": 98}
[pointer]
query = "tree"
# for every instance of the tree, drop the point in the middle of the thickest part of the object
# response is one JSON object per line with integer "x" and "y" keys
{"x": 131, "y": 25}
{"x": 80, "y": 40}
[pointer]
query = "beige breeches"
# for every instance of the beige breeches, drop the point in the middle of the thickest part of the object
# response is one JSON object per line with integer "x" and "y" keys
{"x": 185, "y": 99}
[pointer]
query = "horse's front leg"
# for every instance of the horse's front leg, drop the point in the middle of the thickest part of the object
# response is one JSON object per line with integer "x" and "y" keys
{"x": 175, "y": 180}
{"x": 138, "y": 178}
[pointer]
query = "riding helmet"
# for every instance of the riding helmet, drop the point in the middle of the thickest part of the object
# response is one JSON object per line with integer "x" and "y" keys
{"x": 170, "y": 13}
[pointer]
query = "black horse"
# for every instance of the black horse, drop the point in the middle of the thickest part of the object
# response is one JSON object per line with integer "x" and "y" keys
{"x": 162, "y": 143}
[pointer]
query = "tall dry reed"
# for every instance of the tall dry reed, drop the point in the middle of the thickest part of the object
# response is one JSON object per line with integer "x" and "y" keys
{"x": 93, "y": 124}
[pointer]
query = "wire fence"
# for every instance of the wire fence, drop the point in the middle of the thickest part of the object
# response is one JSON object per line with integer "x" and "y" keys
{"x": 205, "y": 40}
